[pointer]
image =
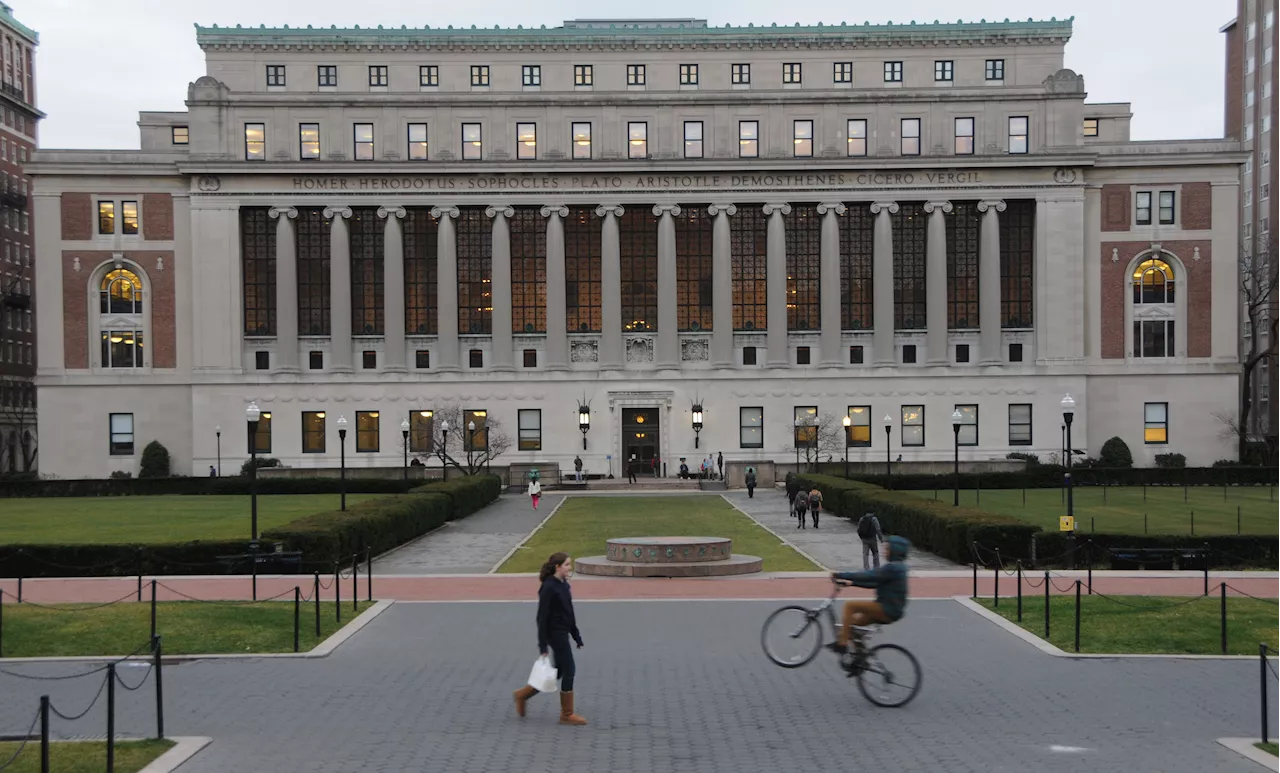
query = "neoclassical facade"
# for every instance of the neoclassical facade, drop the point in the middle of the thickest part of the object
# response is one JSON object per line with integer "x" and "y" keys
{"x": 905, "y": 225}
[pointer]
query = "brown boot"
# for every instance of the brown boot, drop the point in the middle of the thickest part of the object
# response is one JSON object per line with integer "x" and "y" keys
{"x": 522, "y": 696}
{"x": 567, "y": 717}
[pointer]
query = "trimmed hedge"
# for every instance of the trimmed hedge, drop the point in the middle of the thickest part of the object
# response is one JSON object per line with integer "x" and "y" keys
{"x": 1051, "y": 476}
{"x": 1227, "y": 550}
{"x": 468, "y": 494}
{"x": 377, "y": 525}
{"x": 115, "y": 560}
{"x": 118, "y": 487}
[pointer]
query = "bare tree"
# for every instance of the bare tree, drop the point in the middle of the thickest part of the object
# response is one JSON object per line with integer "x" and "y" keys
{"x": 17, "y": 426}
{"x": 1258, "y": 274}
{"x": 818, "y": 436}
{"x": 460, "y": 447}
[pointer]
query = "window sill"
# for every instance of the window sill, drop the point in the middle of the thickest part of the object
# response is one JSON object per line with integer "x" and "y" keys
{"x": 582, "y": 87}
{"x": 792, "y": 85}
{"x": 943, "y": 84}
{"x": 378, "y": 89}
{"x": 428, "y": 89}
{"x": 532, "y": 88}
{"x": 844, "y": 85}
{"x": 893, "y": 84}
{"x": 688, "y": 87}
{"x": 995, "y": 82}
{"x": 635, "y": 87}
{"x": 327, "y": 89}
{"x": 742, "y": 87}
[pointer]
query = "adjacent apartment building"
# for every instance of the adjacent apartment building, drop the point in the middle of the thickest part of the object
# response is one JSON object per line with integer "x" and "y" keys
{"x": 18, "y": 437}
{"x": 636, "y": 239}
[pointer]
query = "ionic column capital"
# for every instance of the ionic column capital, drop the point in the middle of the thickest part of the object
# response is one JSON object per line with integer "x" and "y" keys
{"x": 447, "y": 210}
{"x": 609, "y": 209}
{"x": 943, "y": 206}
{"x": 399, "y": 212}
{"x": 666, "y": 209}
{"x": 559, "y": 210}
{"x": 782, "y": 208}
{"x": 505, "y": 210}
{"x": 884, "y": 206}
{"x": 289, "y": 212}
{"x": 997, "y": 204}
{"x": 722, "y": 209}
{"x": 343, "y": 212}
{"x": 837, "y": 207}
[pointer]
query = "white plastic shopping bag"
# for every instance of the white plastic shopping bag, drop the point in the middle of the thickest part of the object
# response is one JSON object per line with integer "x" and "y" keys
{"x": 543, "y": 676}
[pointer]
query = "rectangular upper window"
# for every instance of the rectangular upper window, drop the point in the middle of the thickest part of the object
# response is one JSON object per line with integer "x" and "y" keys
{"x": 106, "y": 217}
{"x": 417, "y": 142}
{"x": 428, "y": 76}
{"x": 582, "y": 75}
{"x": 327, "y": 75}
{"x": 530, "y": 75}
{"x": 421, "y": 431}
{"x": 748, "y": 139}
{"x": 688, "y": 75}
{"x": 179, "y": 135}
{"x": 121, "y": 434}
{"x": 637, "y": 139}
{"x": 479, "y": 75}
{"x": 529, "y": 422}
{"x": 802, "y": 139}
{"x": 910, "y": 136}
{"x": 362, "y": 134}
{"x": 859, "y": 431}
{"x": 308, "y": 141}
{"x": 635, "y": 75}
{"x": 1142, "y": 208}
{"x": 313, "y": 432}
{"x": 1091, "y": 127}
{"x": 740, "y": 74}
{"x": 471, "y": 142}
{"x": 751, "y": 427}
{"x": 912, "y": 425}
{"x": 1155, "y": 429}
{"x": 805, "y": 426}
{"x": 1018, "y": 134}
{"x": 893, "y": 72}
{"x": 255, "y": 142}
{"x": 857, "y": 137}
{"x": 995, "y": 69}
{"x": 1020, "y": 424}
{"x": 964, "y": 136}
{"x": 581, "y": 133}
{"x": 367, "y": 431}
{"x": 378, "y": 75}
{"x": 526, "y": 141}
{"x": 128, "y": 217}
{"x": 791, "y": 72}
{"x": 968, "y": 435}
{"x": 842, "y": 72}
{"x": 693, "y": 139}
{"x": 944, "y": 70}
{"x": 1166, "y": 207}
{"x": 275, "y": 75}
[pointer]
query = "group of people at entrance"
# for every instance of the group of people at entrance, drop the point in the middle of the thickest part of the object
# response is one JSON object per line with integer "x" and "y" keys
{"x": 712, "y": 468}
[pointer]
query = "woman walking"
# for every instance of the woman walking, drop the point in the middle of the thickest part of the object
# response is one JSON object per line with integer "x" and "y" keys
{"x": 556, "y": 624}
{"x": 535, "y": 492}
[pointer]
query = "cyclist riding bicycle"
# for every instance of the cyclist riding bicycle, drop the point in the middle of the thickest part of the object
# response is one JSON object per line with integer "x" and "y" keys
{"x": 889, "y": 580}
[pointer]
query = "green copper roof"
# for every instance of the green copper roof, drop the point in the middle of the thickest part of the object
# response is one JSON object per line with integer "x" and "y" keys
{"x": 6, "y": 17}
{"x": 686, "y": 29}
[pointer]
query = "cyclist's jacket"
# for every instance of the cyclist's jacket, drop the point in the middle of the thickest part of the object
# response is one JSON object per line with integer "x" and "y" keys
{"x": 889, "y": 580}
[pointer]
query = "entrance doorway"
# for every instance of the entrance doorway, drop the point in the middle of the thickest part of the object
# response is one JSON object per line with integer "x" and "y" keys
{"x": 640, "y": 441}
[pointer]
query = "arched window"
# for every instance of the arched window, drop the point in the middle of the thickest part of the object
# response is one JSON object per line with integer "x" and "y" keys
{"x": 1154, "y": 309}
{"x": 1153, "y": 282}
{"x": 121, "y": 292}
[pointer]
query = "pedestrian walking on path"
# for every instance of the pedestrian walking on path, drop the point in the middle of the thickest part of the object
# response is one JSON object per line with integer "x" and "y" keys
{"x": 870, "y": 534}
{"x": 556, "y": 623}
{"x": 802, "y": 510}
{"x": 631, "y": 470}
{"x": 751, "y": 483}
{"x": 815, "y": 505}
{"x": 535, "y": 492}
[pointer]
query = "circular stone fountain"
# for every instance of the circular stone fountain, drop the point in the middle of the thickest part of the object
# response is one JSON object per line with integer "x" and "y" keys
{"x": 668, "y": 557}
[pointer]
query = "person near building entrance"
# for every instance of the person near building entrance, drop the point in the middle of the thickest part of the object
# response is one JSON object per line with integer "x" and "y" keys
{"x": 815, "y": 505}
{"x": 556, "y": 624}
{"x": 577, "y": 468}
{"x": 213, "y": 472}
{"x": 802, "y": 509}
{"x": 870, "y": 534}
{"x": 684, "y": 469}
{"x": 751, "y": 483}
{"x": 631, "y": 469}
{"x": 535, "y": 492}
{"x": 720, "y": 463}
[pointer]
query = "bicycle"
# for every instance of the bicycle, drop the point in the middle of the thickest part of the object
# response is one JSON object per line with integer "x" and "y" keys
{"x": 878, "y": 669}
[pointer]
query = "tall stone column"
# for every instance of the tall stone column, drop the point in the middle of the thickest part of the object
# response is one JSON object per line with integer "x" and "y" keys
{"x": 667, "y": 356}
{"x": 447, "y": 351}
{"x": 829, "y": 281}
{"x": 776, "y": 287}
{"x": 721, "y": 286}
{"x": 393, "y": 289}
{"x": 557, "y": 331}
{"x": 286, "y": 290}
{"x": 610, "y": 288}
{"x": 339, "y": 290}
{"x": 500, "y": 287}
{"x": 882, "y": 283}
{"x": 989, "y": 283}
{"x": 935, "y": 283}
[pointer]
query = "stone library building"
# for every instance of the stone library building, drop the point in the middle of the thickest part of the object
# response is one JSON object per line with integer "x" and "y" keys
{"x": 635, "y": 239}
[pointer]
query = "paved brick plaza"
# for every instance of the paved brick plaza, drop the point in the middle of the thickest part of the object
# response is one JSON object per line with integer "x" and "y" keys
{"x": 677, "y": 686}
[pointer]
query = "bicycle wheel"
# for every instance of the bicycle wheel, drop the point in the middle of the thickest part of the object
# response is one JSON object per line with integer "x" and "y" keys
{"x": 792, "y": 636}
{"x": 891, "y": 677}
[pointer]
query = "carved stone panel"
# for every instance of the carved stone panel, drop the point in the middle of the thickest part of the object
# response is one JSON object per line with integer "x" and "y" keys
{"x": 695, "y": 350}
{"x": 584, "y": 351}
{"x": 640, "y": 350}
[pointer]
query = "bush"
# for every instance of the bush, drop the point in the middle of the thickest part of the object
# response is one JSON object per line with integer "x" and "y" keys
{"x": 123, "y": 484}
{"x": 263, "y": 461}
{"x": 1228, "y": 463}
{"x": 1171, "y": 461}
{"x": 1253, "y": 551}
{"x": 377, "y": 525}
{"x": 121, "y": 474}
{"x": 155, "y": 461}
{"x": 1115, "y": 453}
{"x": 1050, "y": 476}
{"x": 467, "y": 494}
{"x": 112, "y": 560}
{"x": 1030, "y": 459}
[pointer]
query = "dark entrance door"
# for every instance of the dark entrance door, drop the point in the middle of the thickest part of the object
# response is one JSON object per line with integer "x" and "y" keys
{"x": 640, "y": 440}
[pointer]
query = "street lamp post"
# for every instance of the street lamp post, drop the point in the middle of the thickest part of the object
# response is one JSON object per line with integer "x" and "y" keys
{"x": 697, "y": 423}
{"x": 217, "y": 431}
{"x": 471, "y": 446}
{"x": 796, "y": 440}
{"x": 444, "y": 449}
{"x": 584, "y": 423}
{"x": 1068, "y": 413}
{"x": 252, "y": 415}
{"x": 956, "y": 418}
{"x": 404, "y": 430}
{"x": 342, "y": 459}
{"x": 848, "y": 423}
{"x": 888, "y": 428}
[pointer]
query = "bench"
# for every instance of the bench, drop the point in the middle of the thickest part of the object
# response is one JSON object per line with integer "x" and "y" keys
{"x": 1194, "y": 559}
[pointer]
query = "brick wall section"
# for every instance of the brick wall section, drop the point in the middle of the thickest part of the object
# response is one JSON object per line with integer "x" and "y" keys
{"x": 158, "y": 292}
{"x": 1197, "y": 207}
{"x": 157, "y": 217}
{"x": 1116, "y": 293}
{"x": 77, "y": 216}
{"x": 1115, "y": 208}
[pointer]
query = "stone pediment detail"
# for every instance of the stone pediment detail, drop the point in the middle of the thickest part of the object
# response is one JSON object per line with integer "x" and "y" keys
{"x": 695, "y": 350}
{"x": 640, "y": 350}
{"x": 584, "y": 351}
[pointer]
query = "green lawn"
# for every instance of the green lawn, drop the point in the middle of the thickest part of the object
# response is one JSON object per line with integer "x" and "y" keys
{"x": 1124, "y": 506}
{"x": 83, "y": 756}
{"x": 1152, "y": 628}
{"x": 186, "y": 627}
{"x": 152, "y": 519}
{"x": 583, "y": 524}
{"x": 1270, "y": 748}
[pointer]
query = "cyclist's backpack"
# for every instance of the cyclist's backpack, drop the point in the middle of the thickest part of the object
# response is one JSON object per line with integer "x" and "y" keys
{"x": 815, "y": 499}
{"x": 867, "y": 527}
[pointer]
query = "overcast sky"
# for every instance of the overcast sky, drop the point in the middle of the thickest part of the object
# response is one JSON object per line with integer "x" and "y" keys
{"x": 99, "y": 63}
